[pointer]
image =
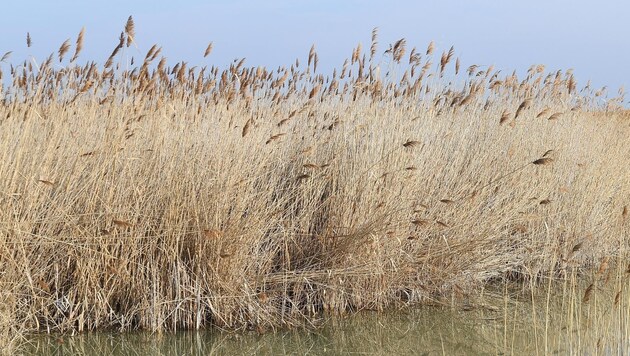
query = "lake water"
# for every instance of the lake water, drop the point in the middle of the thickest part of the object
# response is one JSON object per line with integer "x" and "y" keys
{"x": 494, "y": 324}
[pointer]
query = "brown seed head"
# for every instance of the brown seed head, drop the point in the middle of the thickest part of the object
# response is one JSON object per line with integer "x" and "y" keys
{"x": 420, "y": 222}
{"x": 577, "y": 247}
{"x": 6, "y": 56}
{"x": 63, "y": 49}
{"x": 47, "y": 182}
{"x": 130, "y": 31}
{"x": 411, "y": 144}
{"x": 122, "y": 223}
{"x": 543, "y": 161}
{"x": 587, "y": 293}
{"x": 554, "y": 116}
{"x": 79, "y": 46}
{"x": 430, "y": 48}
{"x": 504, "y": 117}
{"x": 212, "y": 233}
{"x": 246, "y": 128}
{"x": 524, "y": 105}
{"x": 208, "y": 50}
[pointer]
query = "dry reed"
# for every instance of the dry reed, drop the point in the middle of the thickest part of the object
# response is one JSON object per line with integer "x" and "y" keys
{"x": 160, "y": 198}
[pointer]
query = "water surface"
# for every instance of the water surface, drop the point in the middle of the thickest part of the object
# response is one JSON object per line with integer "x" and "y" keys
{"x": 562, "y": 324}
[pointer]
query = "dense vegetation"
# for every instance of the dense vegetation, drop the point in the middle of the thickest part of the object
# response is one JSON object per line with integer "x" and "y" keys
{"x": 136, "y": 194}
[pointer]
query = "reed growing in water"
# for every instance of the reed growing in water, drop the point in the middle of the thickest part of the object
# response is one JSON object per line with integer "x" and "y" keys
{"x": 141, "y": 195}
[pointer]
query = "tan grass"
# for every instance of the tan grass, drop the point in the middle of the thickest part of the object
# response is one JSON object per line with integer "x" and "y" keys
{"x": 164, "y": 197}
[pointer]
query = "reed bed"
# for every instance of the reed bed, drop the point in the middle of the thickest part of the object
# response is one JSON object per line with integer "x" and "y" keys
{"x": 138, "y": 194}
{"x": 504, "y": 319}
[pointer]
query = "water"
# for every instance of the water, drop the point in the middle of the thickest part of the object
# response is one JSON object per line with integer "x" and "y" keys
{"x": 561, "y": 324}
{"x": 426, "y": 331}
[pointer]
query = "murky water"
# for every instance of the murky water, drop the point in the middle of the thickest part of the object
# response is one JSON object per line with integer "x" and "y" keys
{"x": 499, "y": 325}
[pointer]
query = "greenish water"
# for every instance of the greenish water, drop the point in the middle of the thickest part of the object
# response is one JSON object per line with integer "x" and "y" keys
{"x": 421, "y": 332}
{"x": 497, "y": 326}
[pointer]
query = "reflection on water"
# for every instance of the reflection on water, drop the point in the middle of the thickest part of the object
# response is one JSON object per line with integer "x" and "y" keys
{"x": 425, "y": 331}
{"x": 498, "y": 325}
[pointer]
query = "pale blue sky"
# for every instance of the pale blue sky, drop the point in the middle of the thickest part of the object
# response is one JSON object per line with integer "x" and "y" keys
{"x": 592, "y": 37}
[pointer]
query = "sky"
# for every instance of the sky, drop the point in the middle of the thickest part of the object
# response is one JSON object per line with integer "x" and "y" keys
{"x": 590, "y": 37}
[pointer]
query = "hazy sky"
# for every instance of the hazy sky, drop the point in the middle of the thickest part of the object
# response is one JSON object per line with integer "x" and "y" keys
{"x": 592, "y": 37}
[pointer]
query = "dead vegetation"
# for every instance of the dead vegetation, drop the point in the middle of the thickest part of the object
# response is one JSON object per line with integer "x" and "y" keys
{"x": 137, "y": 194}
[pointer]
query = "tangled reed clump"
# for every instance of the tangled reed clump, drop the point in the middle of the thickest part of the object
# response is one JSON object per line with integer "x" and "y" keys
{"x": 162, "y": 197}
